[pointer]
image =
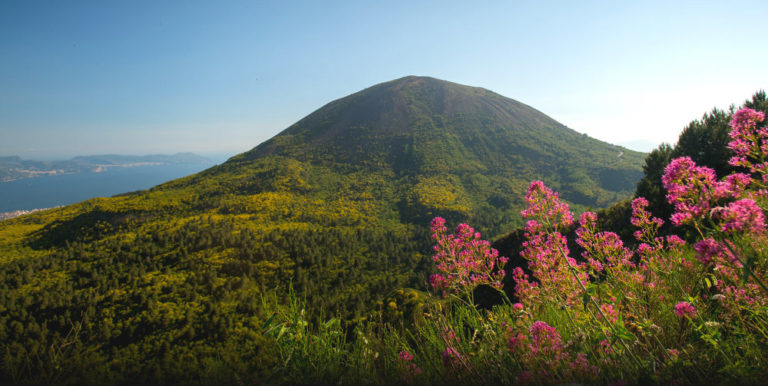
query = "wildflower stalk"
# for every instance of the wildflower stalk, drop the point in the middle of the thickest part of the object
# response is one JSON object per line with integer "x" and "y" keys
{"x": 597, "y": 306}
{"x": 464, "y": 261}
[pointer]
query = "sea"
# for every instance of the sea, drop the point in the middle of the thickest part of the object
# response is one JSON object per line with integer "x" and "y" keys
{"x": 52, "y": 191}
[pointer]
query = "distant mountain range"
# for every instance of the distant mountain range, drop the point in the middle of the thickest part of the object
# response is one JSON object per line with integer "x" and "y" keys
{"x": 14, "y": 168}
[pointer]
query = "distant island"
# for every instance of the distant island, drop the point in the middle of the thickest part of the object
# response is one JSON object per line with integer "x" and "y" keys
{"x": 14, "y": 168}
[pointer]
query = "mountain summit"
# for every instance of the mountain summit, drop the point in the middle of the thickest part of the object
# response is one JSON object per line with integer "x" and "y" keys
{"x": 180, "y": 280}
{"x": 421, "y": 111}
{"x": 418, "y": 124}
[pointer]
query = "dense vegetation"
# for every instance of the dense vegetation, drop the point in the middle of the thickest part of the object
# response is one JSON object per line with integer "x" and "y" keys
{"x": 183, "y": 283}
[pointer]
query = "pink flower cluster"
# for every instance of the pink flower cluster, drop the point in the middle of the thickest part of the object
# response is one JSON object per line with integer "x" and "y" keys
{"x": 707, "y": 250}
{"x": 684, "y": 309}
{"x": 643, "y": 219}
{"x": 545, "y": 340}
{"x": 545, "y": 205}
{"x": 741, "y": 216}
{"x": 602, "y": 248}
{"x": 749, "y": 142}
{"x": 409, "y": 368}
{"x": 651, "y": 247}
{"x": 548, "y": 260}
{"x": 546, "y": 356}
{"x": 464, "y": 260}
{"x": 546, "y": 250}
{"x": 524, "y": 288}
{"x": 694, "y": 190}
{"x": 658, "y": 257}
{"x": 725, "y": 260}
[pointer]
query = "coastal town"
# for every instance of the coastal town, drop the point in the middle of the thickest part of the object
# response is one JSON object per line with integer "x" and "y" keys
{"x": 17, "y": 213}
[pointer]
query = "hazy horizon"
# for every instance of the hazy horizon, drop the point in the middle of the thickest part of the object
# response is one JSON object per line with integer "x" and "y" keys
{"x": 213, "y": 156}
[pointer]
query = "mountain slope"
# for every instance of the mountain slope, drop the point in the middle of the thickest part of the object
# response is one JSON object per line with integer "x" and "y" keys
{"x": 177, "y": 280}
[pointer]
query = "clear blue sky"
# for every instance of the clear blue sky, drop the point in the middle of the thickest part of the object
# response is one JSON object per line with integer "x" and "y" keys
{"x": 161, "y": 76}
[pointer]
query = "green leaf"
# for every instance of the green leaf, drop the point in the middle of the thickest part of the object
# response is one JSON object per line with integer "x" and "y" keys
{"x": 591, "y": 290}
{"x": 268, "y": 321}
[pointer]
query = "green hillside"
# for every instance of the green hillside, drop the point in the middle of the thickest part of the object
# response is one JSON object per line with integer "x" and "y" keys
{"x": 175, "y": 283}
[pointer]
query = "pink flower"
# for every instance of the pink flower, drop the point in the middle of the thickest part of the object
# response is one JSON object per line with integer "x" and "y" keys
{"x": 450, "y": 336}
{"x": 464, "y": 231}
{"x": 451, "y": 357}
{"x": 464, "y": 260}
{"x": 601, "y": 248}
{"x": 679, "y": 219}
{"x": 524, "y": 288}
{"x": 736, "y": 183}
{"x": 438, "y": 281}
{"x": 545, "y": 205}
{"x": 409, "y": 369}
{"x": 641, "y": 218}
{"x": 545, "y": 340}
{"x": 516, "y": 341}
{"x": 673, "y": 354}
{"x": 587, "y": 219}
{"x": 741, "y": 216}
{"x": 693, "y": 189}
{"x": 645, "y": 249}
{"x": 674, "y": 241}
{"x": 596, "y": 265}
{"x": 437, "y": 223}
{"x": 746, "y": 117}
{"x": 546, "y": 249}
{"x": 707, "y": 249}
{"x": 749, "y": 142}
{"x": 684, "y": 309}
{"x": 610, "y": 313}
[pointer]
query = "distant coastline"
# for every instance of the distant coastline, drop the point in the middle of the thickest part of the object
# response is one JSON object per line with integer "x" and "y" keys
{"x": 50, "y": 191}
{"x": 17, "y": 213}
{"x": 14, "y": 168}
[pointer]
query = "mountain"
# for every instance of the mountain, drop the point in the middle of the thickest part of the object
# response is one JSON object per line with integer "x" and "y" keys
{"x": 170, "y": 283}
{"x": 473, "y": 149}
{"x": 14, "y": 168}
